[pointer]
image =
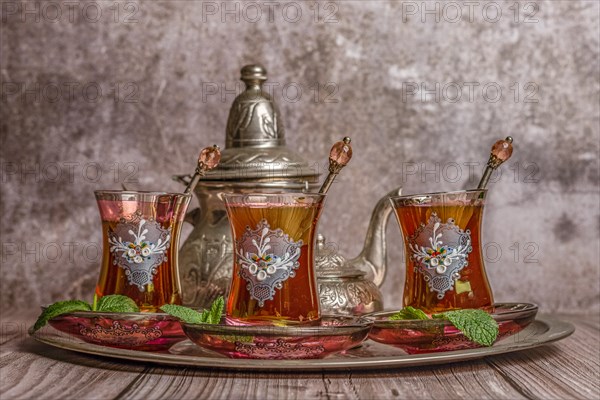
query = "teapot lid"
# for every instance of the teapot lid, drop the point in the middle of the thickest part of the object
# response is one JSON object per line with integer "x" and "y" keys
{"x": 255, "y": 149}
{"x": 330, "y": 264}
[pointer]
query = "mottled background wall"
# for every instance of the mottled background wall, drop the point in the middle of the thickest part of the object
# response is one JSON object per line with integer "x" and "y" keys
{"x": 95, "y": 94}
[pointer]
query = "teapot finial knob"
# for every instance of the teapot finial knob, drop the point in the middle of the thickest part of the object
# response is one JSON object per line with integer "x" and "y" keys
{"x": 254, "y": 119}
{"x": 253, "y": 74}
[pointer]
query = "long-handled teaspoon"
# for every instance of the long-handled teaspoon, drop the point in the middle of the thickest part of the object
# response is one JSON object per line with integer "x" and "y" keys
{"x": 208, "y": 159}
{"x": 339, "y": 156}
{"x": 501, "y": 151}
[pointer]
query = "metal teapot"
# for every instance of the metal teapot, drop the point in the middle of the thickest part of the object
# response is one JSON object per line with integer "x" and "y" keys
{"x": 255, "y": 158}
{"x": 351, "y": 287}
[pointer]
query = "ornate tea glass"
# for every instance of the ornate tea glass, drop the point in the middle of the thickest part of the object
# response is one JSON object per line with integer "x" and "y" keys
{"x": 442, "y": 240}
{"x": 140, "y": 233}
{"x": 273, "y": 271}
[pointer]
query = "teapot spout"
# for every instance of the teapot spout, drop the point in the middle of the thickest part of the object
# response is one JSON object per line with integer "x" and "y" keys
{"x": 372, "y": 258}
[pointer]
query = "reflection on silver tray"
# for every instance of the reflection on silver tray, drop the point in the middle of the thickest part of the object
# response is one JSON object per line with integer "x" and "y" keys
{"x": 370, "y": 355}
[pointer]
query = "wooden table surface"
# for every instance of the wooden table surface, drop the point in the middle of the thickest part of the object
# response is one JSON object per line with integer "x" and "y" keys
{"x": 566, "y": 369}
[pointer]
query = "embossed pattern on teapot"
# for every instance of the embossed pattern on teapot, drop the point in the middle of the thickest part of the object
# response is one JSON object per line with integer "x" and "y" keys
{"x": 343, "y": 289}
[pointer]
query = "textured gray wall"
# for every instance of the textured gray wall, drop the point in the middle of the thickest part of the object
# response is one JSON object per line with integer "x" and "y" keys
{"x": 152, "y": 61}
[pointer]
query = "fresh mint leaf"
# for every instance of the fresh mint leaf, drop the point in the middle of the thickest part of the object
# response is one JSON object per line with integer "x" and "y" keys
{"x": 116, "y": 303}
{"x": 209, "y": 316}
{"x": 185, "y": 314}
{"x": 409, "y": 313}
{"x": 216, "y": 309}
{"x": 477, "y": 325}
{"x": 56, "y": 309}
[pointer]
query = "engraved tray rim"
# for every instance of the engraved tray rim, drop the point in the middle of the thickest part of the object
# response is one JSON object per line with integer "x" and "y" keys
{"x": 540, "y": 332}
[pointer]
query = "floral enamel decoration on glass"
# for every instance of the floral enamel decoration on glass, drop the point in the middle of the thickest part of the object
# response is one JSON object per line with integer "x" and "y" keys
{"x": 440, "y": 252}
{"x": 266, "y": 259}
{"x": 142, "y": 253}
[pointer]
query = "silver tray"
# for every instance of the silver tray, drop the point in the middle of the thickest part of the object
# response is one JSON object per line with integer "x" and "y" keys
{"x": 370, "y": 355}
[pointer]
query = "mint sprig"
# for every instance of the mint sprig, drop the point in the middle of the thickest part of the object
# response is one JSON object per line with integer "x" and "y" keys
{"x": 208, "y": 316}
{"x": 109, "y": 303}
{"x": 190, "y": 316}
{"x": 409, "y": 313}
{"x": 183, "y": 313}
{"x": 216, "y": 309}
{"x": 116, "y": 303}
{"x": 477, "y": 325}
{"x": 59, "y": 308}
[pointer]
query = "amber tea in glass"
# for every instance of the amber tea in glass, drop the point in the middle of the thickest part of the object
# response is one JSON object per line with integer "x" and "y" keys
{"x": 442, "y": 238}
{"x": 273, "y": 277}
{"x": 140, "y": 233}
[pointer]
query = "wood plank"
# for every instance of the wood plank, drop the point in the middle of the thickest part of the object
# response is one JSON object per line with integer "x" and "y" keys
{"x": 473, "y": 380}
{"x": 567, "y": 369}
{"x": 14, "y": 324}
{"x": 465, "y": 380}
{"x": 172, "y": 383}
{"x": 31, "y": 370}
{"x": 190, "y": 383}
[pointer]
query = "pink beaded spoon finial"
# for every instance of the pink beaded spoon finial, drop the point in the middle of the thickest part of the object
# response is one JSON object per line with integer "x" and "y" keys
{"x": 208, "y": 159}
{"x": 339, "y": 157}
{"x": 501, "y": 151}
